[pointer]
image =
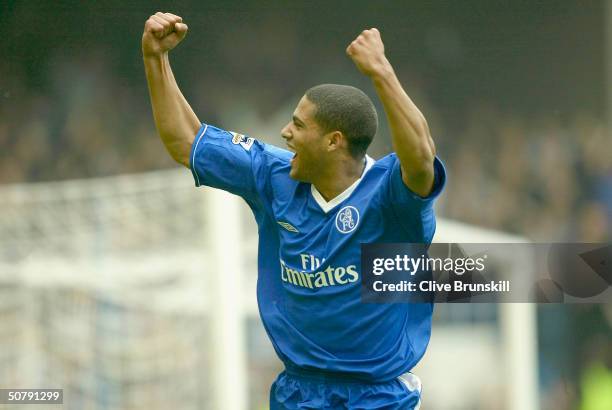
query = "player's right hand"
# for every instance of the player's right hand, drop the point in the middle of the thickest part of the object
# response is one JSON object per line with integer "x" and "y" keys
{"x": 162, "y": 32}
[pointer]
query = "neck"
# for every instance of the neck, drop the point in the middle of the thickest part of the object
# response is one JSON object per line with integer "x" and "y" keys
{"x": 339, "y": 177}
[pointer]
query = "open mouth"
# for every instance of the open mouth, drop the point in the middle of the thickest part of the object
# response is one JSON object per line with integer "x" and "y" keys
{"x": 290, "y": 148}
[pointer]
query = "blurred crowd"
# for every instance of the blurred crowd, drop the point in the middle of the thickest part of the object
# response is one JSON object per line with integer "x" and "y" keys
{"x": 86, "y": 123}
{"x": 74, "y": 104}
{"x": 548, "y": 177}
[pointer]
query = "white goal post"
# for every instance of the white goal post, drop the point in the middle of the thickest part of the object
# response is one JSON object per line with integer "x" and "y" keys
{"x": 133, "y": 292}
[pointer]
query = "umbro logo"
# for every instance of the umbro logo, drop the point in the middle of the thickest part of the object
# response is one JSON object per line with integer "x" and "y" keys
{"x": 288, "y": 226}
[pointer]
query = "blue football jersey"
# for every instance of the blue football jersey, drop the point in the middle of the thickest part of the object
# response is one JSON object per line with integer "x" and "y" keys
{"x": 309, "y": 279}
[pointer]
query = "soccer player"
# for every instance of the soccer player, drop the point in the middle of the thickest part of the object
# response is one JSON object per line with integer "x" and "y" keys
{"x": 314, "y": 204}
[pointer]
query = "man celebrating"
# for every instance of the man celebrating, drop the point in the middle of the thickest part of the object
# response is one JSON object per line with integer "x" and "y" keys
{"x": 314, "y": 206}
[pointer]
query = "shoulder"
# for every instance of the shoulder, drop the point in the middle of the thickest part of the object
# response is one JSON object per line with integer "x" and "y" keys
{"x": 390, "y": 165}
{"x": 383, "y": 166}
{"x": 243, "y": 142}
{"x": 387, "y": 174}
{"x": 387, "y": 162}
{"x": 273, "y": 165}
{"x": 276, "y": 154}
{"x": 276, "y": 161}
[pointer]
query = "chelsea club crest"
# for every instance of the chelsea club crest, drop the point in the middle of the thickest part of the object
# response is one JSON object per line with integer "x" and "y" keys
{"x": 347, "y": 219}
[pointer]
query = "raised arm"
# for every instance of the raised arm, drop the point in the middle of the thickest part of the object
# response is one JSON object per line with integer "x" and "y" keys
{"x": 176, "y": 122}
{"x": 410, "y": 135}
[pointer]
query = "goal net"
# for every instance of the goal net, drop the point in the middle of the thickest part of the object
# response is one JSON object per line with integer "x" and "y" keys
{"x": 138, "y": 292}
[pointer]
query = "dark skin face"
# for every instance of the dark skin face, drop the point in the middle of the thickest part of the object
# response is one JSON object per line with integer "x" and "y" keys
{"x": 307, "y": 140}
{"x": 321, "y": 159}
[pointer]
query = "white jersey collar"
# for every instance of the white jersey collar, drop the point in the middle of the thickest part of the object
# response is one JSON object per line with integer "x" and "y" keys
{"x": 328, "y": 206}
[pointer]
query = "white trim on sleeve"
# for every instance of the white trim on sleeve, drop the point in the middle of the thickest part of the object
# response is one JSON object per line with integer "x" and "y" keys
{"x": 194, "y": 153}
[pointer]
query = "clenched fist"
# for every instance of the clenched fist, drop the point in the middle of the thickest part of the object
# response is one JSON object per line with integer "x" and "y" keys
{"x": 368, "y": 53}
{"x": 162, "y": 32}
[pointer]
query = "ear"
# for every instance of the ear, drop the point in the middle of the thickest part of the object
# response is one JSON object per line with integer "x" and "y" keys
{"x": 335, "y": 140}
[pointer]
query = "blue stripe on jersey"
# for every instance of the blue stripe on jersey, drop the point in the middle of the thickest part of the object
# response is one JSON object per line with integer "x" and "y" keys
{"x": 309, "y": 277}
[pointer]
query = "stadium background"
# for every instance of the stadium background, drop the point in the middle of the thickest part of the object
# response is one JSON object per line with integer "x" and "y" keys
{"x": 97, "y": 276}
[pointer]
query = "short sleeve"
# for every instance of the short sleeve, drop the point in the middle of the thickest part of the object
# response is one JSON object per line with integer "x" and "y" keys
{"x": 226, "y": 160}
{"x": 415, "y": 213}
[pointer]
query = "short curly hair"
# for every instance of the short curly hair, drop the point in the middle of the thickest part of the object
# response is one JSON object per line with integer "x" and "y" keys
{"x": 348, "y": 110}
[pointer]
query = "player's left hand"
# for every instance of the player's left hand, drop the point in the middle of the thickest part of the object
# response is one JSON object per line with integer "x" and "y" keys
{"x": 368, "y": 52}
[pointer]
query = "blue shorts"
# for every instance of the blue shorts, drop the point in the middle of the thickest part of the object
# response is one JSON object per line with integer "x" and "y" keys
{"x": 316, "y": 391}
